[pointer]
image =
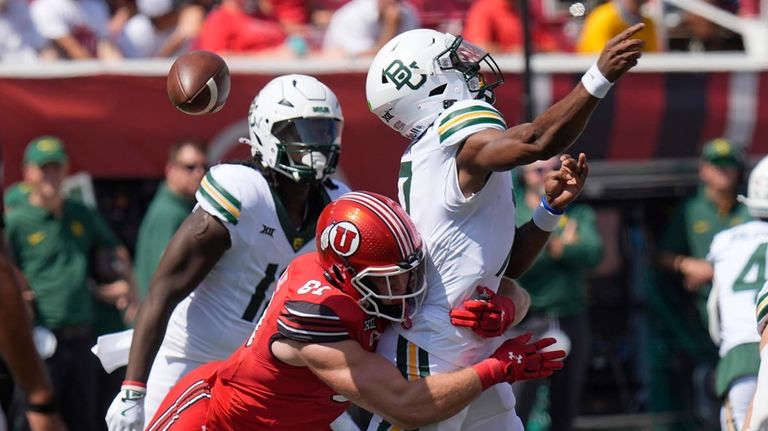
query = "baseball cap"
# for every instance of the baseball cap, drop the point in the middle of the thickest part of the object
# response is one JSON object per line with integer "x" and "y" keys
{"x": 45, "y": 149}
{"x": 154, "y": 8}
{"x": 721, "y": 152}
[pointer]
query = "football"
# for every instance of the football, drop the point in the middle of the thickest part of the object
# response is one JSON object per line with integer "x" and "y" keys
{"x": 198, "y": 83}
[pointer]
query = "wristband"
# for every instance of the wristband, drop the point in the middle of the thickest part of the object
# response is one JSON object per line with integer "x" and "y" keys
{"x": 545, "y": 217}
{"x": 595, "y": 83}
{"x": 135, "y": 384}
{"x": 490, "y": 371}
{"x": 45, "y": 408}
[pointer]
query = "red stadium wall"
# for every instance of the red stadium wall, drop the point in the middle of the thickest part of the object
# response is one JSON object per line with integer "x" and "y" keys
{"x": 119, "y": 126}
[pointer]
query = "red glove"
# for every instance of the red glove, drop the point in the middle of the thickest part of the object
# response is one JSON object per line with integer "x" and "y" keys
{"x": 517, "y": 360}
{"x": 487, "y": 313}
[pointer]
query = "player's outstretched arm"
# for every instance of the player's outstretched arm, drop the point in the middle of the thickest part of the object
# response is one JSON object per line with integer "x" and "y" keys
{"x": 372, "y": 382}
{"x": 194, "y": 249}
{"x": 556, "y": 128}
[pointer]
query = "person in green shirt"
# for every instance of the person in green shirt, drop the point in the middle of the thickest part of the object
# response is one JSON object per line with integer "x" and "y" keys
{"x": 557, "y": 286}
{"x": 172, "y": 203}
{"x": 58, "y": 244}
{"x": 679, "y": 315}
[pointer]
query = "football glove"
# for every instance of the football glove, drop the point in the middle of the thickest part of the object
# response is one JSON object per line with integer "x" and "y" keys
{"x": 518, "y": 359}
{"x": 126, "y": 413}
{"x": 487, "y": 313}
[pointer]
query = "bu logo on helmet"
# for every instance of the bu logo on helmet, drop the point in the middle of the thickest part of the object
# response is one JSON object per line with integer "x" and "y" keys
{"x": 343, "y": 238}
{"x": 400, "y": 75}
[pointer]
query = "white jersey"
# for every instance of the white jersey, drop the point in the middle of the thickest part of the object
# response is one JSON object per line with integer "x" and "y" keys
{"x": 220, "y": 314}
{"x": 468, "y": 238}
{"x": 762, "y": 309}
{"x": 739, "y": 259}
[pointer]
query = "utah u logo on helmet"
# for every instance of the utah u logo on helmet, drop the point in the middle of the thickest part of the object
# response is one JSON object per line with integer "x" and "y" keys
{"x": 343, "y": 238}
{"x": 400, "y": 75}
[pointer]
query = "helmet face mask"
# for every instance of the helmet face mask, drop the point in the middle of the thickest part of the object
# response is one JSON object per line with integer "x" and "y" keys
{"x": 468, "y": 59}
{"x": 295, "y": 125}
{"x": 384, "y": 293}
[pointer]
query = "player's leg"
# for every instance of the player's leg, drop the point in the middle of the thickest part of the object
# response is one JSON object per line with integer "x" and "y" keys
{"x": 736, "y": 403}
{"x": 165, "y": 373}
{"x": 186, "y": 405}
{"x": 414, "y": 363}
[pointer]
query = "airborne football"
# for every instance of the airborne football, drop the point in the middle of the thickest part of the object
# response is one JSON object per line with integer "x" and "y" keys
{"x": 198, "y": 83}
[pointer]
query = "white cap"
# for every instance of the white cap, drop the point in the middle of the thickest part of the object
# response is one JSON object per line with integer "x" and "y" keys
{"x": 154, "y": 8}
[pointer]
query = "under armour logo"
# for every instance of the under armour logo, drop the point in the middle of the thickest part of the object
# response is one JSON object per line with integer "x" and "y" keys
{"x": 267, "y": 230}
{"x": 516, "y": 358}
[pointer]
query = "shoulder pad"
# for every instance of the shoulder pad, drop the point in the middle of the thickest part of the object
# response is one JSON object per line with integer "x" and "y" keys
{"x": 466, "y": 118}
{"x": 224, "y": 189}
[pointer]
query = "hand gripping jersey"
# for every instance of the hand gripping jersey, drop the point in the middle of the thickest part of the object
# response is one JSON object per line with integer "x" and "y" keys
{"x": 739, "y": 258}
{"x": 220, "y": 314}
{"x": 254, "y": 391}
{"x": 468, "y": 238}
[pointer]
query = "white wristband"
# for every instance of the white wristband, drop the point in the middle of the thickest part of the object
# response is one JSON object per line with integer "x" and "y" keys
{"x": 595, "y": 83}
{"x": 545, "y": 219}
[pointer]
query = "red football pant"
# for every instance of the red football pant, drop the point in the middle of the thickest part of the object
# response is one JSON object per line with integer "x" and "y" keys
{"x": 186, "y": 405}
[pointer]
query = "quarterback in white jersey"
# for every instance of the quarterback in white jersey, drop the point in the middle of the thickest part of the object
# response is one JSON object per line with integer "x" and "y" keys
{"x": 455, "y": 184}
{"x": 738, "y": 256}
{"x": 218, "y": 271}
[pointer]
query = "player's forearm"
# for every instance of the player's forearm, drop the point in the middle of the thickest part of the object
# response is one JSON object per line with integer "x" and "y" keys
{"x": 434, "y": 398}
{"x": 151, "y": 323}
{"x": 529, "y": 241}
{"x": 16, "y": 346}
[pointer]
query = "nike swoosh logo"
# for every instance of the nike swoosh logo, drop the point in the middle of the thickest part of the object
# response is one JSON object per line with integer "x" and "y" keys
{"x": 128, "y": 409}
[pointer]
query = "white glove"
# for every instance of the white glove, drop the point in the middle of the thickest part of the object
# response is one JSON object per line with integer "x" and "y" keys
{"x": 126, "y": 413}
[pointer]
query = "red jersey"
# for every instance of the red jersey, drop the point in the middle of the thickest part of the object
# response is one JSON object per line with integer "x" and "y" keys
{"x": 252, "y": 390}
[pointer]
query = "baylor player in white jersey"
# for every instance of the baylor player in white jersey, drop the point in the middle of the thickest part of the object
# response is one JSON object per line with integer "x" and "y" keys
{"x": 739, "y": 257}
{"x": 249, "y": 222}
{"x": 454, "y": 183}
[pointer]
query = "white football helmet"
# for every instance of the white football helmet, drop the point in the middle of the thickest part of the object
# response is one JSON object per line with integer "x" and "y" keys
{"x": 419, "y": 73}
{"x": 295, "y": 127}
{"x": 757, "y": 191}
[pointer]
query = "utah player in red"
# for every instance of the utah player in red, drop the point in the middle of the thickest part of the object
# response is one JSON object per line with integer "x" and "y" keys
{"x": 312, "y": 351}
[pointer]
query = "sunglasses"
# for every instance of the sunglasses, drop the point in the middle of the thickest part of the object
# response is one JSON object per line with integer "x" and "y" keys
{"x": 193, "y": 167}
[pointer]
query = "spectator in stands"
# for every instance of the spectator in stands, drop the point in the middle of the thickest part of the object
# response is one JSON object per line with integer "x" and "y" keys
{"x": 496, "y": 26}
{"x": 361, "y": 27}
{"x": 172, "y": 203}
{"x": 293, "y": 15}
{"x": 231, "y": 29}
{"x": 610, "y": 19}
{"x": 162, "y": 28}
{"x": 557, "y": 286}
{"x": 680, "y": 336}
{"x": 58, "y": 243}
{"x": 20, "y": 42}
{"x": 77, "y": 28}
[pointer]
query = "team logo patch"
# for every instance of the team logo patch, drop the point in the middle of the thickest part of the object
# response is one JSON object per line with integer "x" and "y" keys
{"x": 343, "y": 238}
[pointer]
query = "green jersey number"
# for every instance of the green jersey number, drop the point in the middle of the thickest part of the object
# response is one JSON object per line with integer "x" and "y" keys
{"x": 260, "y": 293}
{"x": 404, "y": 185}
{"x": 752, "y": 276}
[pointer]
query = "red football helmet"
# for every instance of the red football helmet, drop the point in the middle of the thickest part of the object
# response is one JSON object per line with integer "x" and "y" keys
{"x": 370, "y": 248}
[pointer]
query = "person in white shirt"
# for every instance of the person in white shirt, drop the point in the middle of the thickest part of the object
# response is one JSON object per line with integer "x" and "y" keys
{"x": 361, "y": 27}
{"x": 77, "y": 28}
{"x": 20, "y": 42}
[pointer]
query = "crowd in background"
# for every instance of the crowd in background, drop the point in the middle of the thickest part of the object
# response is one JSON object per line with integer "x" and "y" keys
{"x": 32, "y": 30}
